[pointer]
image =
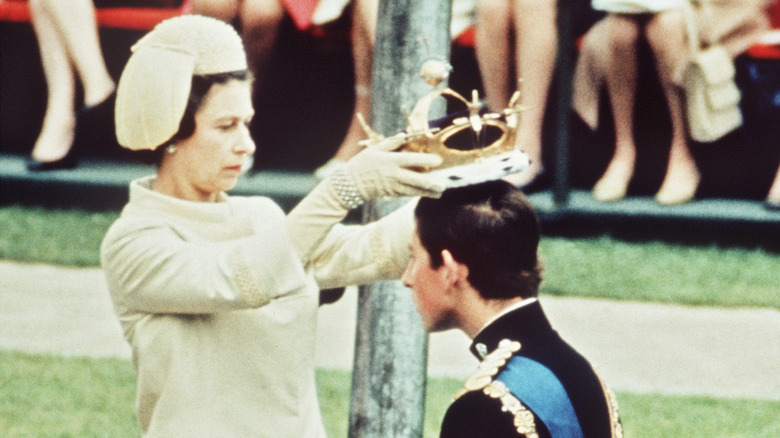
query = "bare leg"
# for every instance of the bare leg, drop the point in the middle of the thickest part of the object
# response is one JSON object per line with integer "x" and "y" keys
{"x": 536, "y": 42}
{"x": 665, "y": 33}
{"x": 260, "y": 20}
{"x": 75, "y": 23}
{"x": 773, "y": 198}
{"x": 364, "y": 16}
{"x": 225, "y": 10}
{"x": 620, "y": 40}
{"x": 59, "y": 122}
{"x": 67, "y": 38}
{"x": 493, "y": 49}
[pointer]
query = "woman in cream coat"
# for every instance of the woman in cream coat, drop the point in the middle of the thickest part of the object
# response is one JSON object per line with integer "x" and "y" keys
{"x": 217, "y": 295}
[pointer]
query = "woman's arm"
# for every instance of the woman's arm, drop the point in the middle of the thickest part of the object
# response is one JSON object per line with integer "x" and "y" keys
{"x": 150, "y": 268}
{"x": 355, "y": 254}
{"x": 373, "y": 173}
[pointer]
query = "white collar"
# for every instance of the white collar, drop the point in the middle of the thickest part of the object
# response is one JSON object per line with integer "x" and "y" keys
{"x": 506, "y": 310}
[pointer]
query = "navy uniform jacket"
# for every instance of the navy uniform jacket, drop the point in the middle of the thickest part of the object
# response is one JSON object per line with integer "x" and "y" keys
{"x": 485, "y": 408}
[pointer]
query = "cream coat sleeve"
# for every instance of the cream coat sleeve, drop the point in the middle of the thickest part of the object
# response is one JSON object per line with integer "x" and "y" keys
{"x": 373, "y": 252}
{"x": 313, "y": 218}
{"x": 342, "y": 255}
{"x": 151, "y": 266}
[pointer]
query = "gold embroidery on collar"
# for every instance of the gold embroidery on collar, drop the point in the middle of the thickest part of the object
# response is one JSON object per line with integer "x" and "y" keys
{"x": 483, "y": 379}
{"x": 489, "y": 366}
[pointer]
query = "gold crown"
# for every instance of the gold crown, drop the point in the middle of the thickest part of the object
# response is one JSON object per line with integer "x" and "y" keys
{"x": 473, "y": 138}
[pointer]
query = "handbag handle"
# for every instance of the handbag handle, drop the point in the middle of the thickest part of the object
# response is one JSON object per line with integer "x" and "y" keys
{"x": 694, "y": 36}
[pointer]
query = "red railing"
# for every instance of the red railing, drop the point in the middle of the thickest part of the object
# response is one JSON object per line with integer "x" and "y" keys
{"x": 137, "y": 18}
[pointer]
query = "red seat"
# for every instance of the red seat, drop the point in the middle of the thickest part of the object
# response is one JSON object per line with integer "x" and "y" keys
{"x": 143, "y": 18}
{"x": 768, "y": 47}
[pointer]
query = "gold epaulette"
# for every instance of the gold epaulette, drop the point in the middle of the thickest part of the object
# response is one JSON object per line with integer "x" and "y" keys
{"x": 484, "y": 380}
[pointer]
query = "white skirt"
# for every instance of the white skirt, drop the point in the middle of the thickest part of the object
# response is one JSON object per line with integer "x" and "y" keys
{"x": 635, "y": 6}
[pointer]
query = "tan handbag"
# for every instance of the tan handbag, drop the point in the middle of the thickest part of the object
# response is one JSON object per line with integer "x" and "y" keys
{"x": 711, "y": 95}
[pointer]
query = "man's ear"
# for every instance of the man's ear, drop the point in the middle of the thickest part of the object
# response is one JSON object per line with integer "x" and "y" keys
{"x": 455, "y": 270}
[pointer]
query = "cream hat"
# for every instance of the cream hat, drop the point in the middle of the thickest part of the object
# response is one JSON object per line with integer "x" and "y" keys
{"x": 155, "y": 84}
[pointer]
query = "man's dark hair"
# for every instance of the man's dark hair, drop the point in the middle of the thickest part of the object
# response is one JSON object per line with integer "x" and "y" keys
{"x": 491, "y": 228}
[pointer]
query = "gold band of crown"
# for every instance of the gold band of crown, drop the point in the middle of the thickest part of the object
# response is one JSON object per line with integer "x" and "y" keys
{"x": 421, "y": 137}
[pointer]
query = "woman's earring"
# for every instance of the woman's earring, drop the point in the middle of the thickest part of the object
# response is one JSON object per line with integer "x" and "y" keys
{"x": 171, "y": 148}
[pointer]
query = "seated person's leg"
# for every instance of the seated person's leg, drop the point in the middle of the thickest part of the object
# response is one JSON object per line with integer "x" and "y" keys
{"x": 364, "y": 18}
{"x": 666, "y": 35}
{"x": 260, "y": 21}
{"x": 59, "y": 124}
{"x": 773, "y": 198}
{"x": 225, "y": 10}
{"x": 536, "y": 42}
{"x": 493, "y": 50}
{"x": 620, "y": 35}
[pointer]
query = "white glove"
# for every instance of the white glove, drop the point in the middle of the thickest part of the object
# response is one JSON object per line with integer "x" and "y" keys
{"x": 374, "y": 172}
{"x": 377, "y": 171}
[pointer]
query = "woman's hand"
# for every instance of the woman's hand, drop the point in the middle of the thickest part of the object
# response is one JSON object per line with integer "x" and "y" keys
{"x": 380, "y": 170}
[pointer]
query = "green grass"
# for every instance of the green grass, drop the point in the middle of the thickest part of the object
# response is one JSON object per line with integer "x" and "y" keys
{"x": 600, "y": 267}
{"x": 60, "y": 237}
{"x": 52, "y": 396}
{"x": 606, "y": 267}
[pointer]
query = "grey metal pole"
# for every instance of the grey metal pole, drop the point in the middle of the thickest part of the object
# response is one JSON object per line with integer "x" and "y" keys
{"x": 388, "y": 381}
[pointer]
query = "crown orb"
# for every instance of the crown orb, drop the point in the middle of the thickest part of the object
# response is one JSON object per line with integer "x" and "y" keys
{"x": 434, "y": 71}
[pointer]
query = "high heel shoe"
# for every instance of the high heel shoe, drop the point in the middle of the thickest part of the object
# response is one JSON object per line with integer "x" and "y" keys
{"x": 678, "y": 194}
{"x": 529, "y": 180}
{"x": 69, "y": 161}
{"x": 772, "y": 203}
{"x": 609, "y": 191}
{"x": 95, "y": 124}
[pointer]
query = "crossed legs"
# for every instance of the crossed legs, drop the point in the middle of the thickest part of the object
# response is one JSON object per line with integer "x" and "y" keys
{"x": 68, "y": 41}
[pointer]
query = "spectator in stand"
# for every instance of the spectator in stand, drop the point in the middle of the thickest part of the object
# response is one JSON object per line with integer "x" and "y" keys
{"x": 608, "y": 55}
{"x": 772, "y": 201}
{"x": 258, "y": 21}
{"x": 519, "y": 39}
{"x": 68, "y": 41}
{"x": 363, "y": 37}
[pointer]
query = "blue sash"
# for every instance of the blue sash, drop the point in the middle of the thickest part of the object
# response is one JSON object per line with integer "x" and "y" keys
{"x": 538, "y": 388}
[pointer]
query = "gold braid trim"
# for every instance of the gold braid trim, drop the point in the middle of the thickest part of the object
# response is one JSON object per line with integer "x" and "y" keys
{"x": 524, "y": 419}
{"x": 614, "y": 415}
{"x": 483, "y": 380}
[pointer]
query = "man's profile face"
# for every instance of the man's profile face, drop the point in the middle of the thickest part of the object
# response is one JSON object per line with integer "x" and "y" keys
{"x": 428, "y": 289}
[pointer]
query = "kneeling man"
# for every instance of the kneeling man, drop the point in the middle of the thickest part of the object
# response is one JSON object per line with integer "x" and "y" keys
{"x": 474, "y": 267}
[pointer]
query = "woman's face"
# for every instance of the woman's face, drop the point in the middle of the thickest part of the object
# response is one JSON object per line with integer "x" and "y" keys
{"x": 212, "y": 158}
